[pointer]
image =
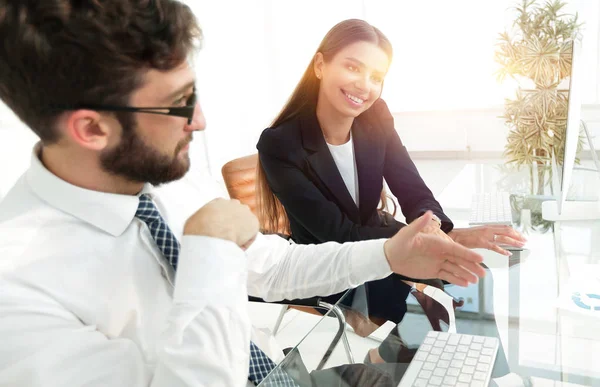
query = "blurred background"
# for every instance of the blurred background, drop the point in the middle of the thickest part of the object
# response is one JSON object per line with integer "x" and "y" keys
{"x": 441, "y": 87}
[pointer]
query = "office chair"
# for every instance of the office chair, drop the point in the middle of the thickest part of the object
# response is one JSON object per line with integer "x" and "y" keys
{"x": 240, "y": 179}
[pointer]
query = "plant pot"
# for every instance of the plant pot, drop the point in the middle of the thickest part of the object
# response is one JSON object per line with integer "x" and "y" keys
{"x": 527, "y": 213}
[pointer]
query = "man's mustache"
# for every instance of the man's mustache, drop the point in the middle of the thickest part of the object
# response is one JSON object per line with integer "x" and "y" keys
{"x": 183, "y": 143}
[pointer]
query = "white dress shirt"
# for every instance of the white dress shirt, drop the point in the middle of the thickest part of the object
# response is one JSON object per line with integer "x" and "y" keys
{"x": 344, "y": 158}
{"x": 87, "y": 299}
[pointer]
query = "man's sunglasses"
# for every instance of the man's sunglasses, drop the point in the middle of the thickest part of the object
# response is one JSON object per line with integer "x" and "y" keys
{"x": 181, "y": 111}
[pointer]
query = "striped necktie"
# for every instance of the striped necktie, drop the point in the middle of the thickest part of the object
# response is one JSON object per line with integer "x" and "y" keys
{"x": 160, "y": 231}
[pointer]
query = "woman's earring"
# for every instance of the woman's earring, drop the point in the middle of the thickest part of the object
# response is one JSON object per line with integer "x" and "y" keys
{"x": 318, "y": 76}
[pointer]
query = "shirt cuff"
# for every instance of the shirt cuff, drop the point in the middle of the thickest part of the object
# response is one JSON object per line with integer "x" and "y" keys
{"x": 208, "y": 267}
{"x": 368, "y": 261}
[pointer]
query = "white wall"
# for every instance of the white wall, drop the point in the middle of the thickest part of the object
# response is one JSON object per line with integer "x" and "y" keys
{"x": 479, "y": 131}
{"x": 444, "y": 51}
{"x": 254, "y": 53}
{"x": 16, "y": 141}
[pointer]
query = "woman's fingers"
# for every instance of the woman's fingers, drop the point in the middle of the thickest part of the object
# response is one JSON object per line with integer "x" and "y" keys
{"x": 509, "y": 232}
{"x": 498, "y": 249}
{"x": 508, "y": 241}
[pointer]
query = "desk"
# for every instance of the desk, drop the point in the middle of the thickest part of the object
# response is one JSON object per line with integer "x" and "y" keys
{"x": 529, "y": 300}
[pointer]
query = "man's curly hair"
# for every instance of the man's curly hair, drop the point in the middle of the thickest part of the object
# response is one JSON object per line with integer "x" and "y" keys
{"x": 70, "y": 52}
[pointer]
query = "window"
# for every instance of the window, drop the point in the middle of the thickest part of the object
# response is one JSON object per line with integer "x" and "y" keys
{"x": 444, "y": 51}
{"x": 256, "y": 51}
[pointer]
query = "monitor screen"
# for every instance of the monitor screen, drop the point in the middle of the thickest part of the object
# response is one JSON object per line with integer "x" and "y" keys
{"x": 573, "y": 123}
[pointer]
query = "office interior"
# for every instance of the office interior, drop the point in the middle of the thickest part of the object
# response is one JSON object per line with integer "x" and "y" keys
{"x": 448, "y": 108}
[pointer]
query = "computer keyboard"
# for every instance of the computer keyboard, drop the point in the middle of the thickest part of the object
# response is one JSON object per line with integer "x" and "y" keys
{"x": 452, "y": 359}
{"x": 491, "y": 208}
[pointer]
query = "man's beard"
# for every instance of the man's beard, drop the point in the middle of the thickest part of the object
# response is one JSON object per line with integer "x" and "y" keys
{"x": 139, "y": 162}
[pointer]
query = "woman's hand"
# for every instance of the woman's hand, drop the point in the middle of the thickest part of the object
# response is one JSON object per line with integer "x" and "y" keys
{"x": 488, "y": 237}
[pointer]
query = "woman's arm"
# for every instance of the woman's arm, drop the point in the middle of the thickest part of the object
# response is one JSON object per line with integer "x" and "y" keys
{"x": 400, "y": 172}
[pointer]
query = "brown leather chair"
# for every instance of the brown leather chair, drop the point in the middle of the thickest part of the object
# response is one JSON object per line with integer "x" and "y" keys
{"x": 240, "y": 179}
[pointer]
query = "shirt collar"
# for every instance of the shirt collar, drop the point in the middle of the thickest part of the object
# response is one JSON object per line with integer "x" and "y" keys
{"x": 109, "y": 212}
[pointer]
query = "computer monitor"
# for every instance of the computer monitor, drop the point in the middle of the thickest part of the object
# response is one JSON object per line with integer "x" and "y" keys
{"x": 561, "y": 209}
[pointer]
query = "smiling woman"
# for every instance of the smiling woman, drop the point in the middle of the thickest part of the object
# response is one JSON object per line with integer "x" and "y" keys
{"x": 323, "y": 162}
{"x": 343, "y": 80}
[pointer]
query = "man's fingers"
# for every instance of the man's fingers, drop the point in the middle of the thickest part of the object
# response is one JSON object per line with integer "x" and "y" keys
{"x": 246, "y": 245}
{"x": 473, "y": 267}
{"x": 453, "y": 249}
{"x": 459, "y": 271}
{"x": 459, "y": 255}
{"x": 452, "y": 278}
{"x": 419, "y": 224}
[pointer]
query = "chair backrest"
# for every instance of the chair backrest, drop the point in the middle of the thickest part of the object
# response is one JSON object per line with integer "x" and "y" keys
{"x": 240, "y": 179}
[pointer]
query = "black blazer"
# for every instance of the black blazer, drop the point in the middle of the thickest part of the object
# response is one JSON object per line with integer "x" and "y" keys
{"x": 304, "y": 177}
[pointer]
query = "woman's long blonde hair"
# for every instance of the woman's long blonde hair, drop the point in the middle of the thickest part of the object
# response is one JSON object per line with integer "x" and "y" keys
{"x": 303, "y": 100}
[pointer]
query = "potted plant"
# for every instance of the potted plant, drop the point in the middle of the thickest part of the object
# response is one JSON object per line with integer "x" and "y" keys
{"x": 537, "y": 53}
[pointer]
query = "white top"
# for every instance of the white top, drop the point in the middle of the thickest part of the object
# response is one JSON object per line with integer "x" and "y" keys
{"x": 86, "y": 297}
{"x": 343, "y": 155}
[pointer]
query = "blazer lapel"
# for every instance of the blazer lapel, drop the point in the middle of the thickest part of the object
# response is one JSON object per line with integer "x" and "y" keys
{"x": 321, "y": 161}
{"x": 369, "y": 152}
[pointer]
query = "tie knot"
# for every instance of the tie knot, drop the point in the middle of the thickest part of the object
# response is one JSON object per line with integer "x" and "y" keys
{"x": 147, "y": 211}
